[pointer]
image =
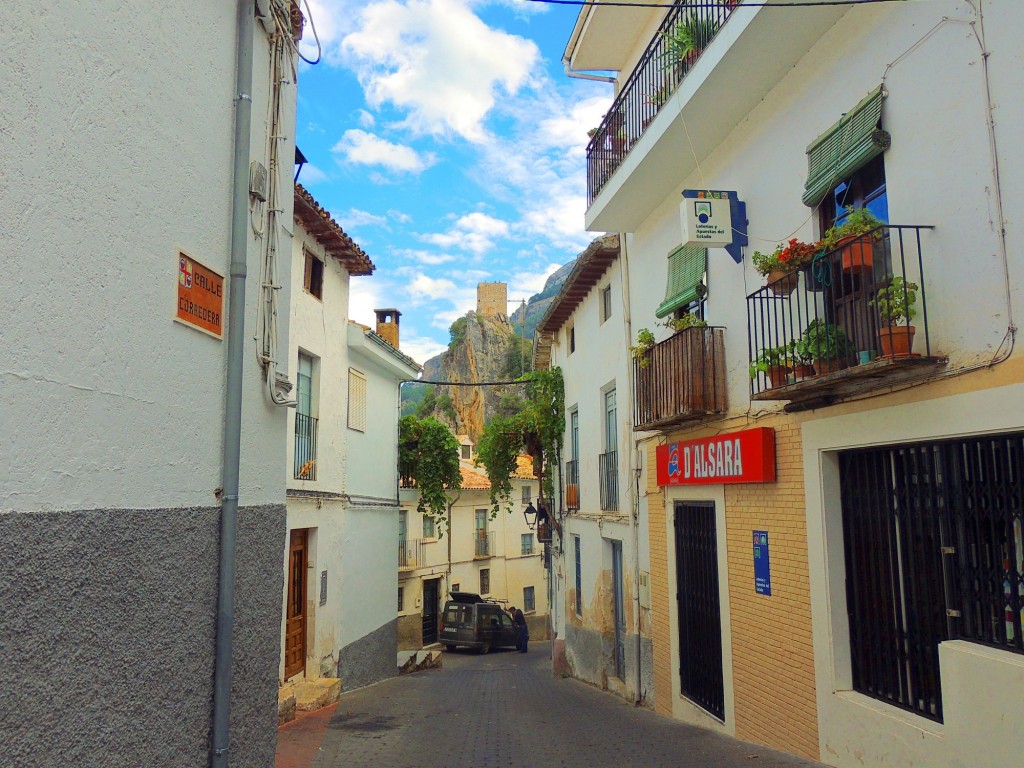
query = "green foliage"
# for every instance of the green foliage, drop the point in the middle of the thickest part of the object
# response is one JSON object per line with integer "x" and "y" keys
{"x": 823, "y": 341}
{"x": 684, "y": 321}
{"x": 427, "y": 404}
{"x": 772, "y": 357}
{"x": 412, "y": 396}
{"x": 447, "y": 408}
{"x": 535, "y": 429}
{"x": 428, "y": 453}
{"x": 689, "y": 36}
{"x": 457, "y": 332}
{"x": 518, "y": 357}
{"x": 896, "y": 301}
{"x": 644, "y": 344}
{"x": 857, "y": 221}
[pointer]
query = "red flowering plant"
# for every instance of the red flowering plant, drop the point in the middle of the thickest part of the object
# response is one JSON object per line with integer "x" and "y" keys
{"x": 785, "y": 258}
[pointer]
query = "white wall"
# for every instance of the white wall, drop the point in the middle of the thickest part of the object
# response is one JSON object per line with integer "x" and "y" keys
{"x": 107, "y": 401}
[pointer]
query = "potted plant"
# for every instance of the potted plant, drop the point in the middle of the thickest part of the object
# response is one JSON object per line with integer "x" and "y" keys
{"x": 685, "y": 41}
{"x": 684, "y": 321}
{"x": 826, "y": 344}
{"x": 895, "y": 303}
{"x": 775, "y": 363}
{"x": 854, "y": 238}
{"x": 644, "y": 343}
{"x": 780, "y": 265}
{"x": 619, "y": 140}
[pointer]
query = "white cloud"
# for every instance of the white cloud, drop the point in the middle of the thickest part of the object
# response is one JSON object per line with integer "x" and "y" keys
{"x": 438, "y": 61}
{"x": 398, "y": 216}
{"x": 366, "y": 120}
{"x": 368, "y": 149}
{"x": 365, "y": 295}
{"x": 421, "y": 348}
{"x": 528, "y": 283}
{"x": 430, "y": 258}
{"x": 432, "y": 288}
{"x": 310, "y": 175}
{"x": 354, "y": 217}
{"x": 474, "y": 232}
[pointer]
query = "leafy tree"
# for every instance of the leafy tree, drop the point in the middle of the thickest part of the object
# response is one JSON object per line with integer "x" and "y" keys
{"x": 536, "y": 429}
{"x": 428, "y": 454}
{"x": 427, "y": 403}
{"x": 457, "y": 332}
{"x": 447, "y": 407}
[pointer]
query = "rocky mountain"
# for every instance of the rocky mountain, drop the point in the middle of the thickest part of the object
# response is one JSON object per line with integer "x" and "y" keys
{"x": 483, "y": 348}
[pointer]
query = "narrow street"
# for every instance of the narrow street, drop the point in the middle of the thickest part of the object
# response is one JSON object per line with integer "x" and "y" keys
{"x": 506, "y": 709}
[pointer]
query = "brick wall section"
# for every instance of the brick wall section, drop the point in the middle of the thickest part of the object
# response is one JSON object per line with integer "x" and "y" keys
{"x": 491, "y": 299}
{"x": 772, "y": 651}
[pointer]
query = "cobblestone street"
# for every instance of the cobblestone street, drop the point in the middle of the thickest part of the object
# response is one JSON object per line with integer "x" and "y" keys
{"x": 506, "y": 709}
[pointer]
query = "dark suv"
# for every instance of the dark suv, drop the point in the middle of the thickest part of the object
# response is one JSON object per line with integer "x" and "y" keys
{"x": 473, "y": 622}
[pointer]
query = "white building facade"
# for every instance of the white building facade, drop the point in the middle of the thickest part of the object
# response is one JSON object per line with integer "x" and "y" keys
{"x": 878, "y": 619}
{"x": 601, "y": 559}
{"x": 498, "y": 558}
{"x": 118, "y": 176}
{"x": 339, "y": 563}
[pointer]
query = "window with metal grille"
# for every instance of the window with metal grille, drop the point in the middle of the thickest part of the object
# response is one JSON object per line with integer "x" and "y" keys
{"x": 526, "y": 494}
{"x": 313, "y": 276}
{"x": 529, "y": 599}
{"x": 429, "y": 527}
{"x": 485, "y": 581}
{"x": 456, "y": 587}
{"x": 579, "y": 578}
{"x": 526, "y": 541}
{"x": 401, "y": 598}
{"x": 356, "y": 400}
{"x": 934, "y": 551}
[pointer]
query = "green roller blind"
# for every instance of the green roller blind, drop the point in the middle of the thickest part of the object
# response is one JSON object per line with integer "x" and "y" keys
{"x": 845, "y": 147}
{"x": 686, "y": 267}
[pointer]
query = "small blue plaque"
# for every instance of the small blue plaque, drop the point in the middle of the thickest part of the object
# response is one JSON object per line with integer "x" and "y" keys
{"x": 762, "y": 570}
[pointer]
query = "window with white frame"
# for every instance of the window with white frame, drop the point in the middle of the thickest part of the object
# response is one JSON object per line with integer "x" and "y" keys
{"x": 356, "y": 400}
{"x": 429, "y": 527}
{"x": 526, "y": 494}
{"x": 606, "y": 302}
{"x": 526, "y": 541}
{"x": 529, "y": 599}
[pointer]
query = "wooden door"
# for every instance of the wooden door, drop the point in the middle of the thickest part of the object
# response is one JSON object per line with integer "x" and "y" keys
{"x": 295, "y": 623}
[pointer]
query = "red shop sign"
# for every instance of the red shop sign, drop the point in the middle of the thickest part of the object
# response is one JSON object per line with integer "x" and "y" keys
{"x": 738, "y": 457}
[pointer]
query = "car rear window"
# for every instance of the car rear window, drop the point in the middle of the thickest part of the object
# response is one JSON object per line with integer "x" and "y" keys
{"x": 457, "y": 615}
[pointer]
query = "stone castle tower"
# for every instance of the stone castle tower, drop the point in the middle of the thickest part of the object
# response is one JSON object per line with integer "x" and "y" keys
{"x": 492, "y": 299}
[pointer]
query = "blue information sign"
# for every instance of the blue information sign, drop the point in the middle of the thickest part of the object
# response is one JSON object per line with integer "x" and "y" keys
{"x": 762, "y": 570}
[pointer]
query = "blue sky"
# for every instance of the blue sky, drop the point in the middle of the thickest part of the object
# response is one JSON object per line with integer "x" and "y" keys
{"x": 446, "y": 139}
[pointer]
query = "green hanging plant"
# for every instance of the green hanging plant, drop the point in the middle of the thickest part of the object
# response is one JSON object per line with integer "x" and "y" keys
{"x": 536, "y": 429}
{"x": 428, "y": 454}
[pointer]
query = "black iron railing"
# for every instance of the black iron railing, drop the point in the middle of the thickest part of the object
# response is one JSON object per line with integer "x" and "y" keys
{"x": 304, "y": 457}
{"x": 841, "y": 312}
{"x": 572, "y": 484}
{"x": 411, "y": 553}
{"x": 662, "y": 67}
{"x": 608, "y": 469}
{"x": 484, "y": 544}
{"x": 680, "y": 379}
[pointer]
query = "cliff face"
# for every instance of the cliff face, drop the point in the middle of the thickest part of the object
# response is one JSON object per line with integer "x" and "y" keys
{"x": 485, "y": 348}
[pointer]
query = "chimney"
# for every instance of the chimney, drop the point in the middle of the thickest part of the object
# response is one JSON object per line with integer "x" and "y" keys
{"x": 387, "y": 325}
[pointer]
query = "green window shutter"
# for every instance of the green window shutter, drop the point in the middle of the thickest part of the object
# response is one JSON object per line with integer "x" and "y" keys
{"x": 686, "y": 267}
{"x": 845, "y": 147}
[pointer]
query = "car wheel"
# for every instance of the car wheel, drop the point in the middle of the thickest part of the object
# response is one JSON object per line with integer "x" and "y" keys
{"x": 485, "y": 648}
{"x": 449, "y": 647}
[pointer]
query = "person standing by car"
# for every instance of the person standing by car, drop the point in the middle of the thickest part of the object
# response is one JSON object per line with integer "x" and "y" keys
{"x": 523, "y": 635}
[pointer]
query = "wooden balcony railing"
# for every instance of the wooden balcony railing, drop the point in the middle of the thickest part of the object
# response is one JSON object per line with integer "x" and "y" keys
{"x": 681, "y": 379}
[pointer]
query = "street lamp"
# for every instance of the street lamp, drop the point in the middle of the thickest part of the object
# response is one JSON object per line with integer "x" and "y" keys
{"x": 530, "y": 512}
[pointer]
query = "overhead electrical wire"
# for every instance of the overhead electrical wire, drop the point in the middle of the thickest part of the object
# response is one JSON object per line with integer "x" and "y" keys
{"x": 712, "y": 4}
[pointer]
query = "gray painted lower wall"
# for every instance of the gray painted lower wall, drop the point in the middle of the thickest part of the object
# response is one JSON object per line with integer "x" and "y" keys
{"x": 107, "y": 622}
{"x": 371, "y": 658}
{"x": 590, "y": 657}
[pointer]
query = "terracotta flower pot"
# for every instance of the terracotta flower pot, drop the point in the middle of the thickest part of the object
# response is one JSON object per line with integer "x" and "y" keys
{"x": 825, "y": 367}
{"x": 802, "y": 371}
{"x": 897, "y": 340}
{"x": 858, "y": 254}
{"x": 782, "y": 283}
{"x": 778, "y": 375}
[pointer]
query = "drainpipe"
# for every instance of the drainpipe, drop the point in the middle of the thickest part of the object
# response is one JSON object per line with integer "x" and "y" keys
{"x": 570, "y": 72}
{"x": 634, "y": 517}
{"x": 233, "y": 396}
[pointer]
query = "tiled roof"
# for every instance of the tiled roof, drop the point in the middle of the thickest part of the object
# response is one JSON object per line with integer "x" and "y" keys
{"x": 319, "y": 223}
{"x": 474, "y": 478}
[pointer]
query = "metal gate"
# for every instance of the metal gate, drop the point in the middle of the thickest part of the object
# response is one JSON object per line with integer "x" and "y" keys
{"x": 700, "y": 619}
{"x": 619, "y": 610}
{"x": 934, "y": 551}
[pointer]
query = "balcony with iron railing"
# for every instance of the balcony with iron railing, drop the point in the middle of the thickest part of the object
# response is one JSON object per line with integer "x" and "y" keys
{"x": 680, "y": 379}
{"x": 680, "y": 40}
{"x": 412, "y": 553}
{"x": 483, "y": 544}
{"x": 608, "y": 475}
{"x": 304, "y": 455}
{"x": 838, "y": 327}
{"x": 572, "y": 484}
{"x": 680, "y": 102}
